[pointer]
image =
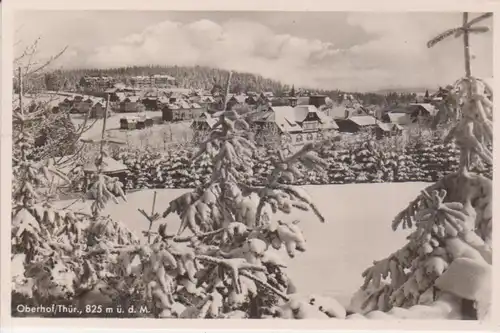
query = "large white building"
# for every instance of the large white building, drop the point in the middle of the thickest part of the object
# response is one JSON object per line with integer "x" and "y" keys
{"x": 157, "y": 80}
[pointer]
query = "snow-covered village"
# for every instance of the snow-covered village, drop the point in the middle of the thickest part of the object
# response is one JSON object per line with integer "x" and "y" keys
{"x": 246, "y": 166}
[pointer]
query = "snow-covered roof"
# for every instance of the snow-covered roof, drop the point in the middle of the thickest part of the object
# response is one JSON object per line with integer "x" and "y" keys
{"x": 363, "y": 120}
{"x": 388, "y": 127}
{"x": 129, "y": 118}
{"x": 427, "y": 106}
{"x": 288, "y": 118}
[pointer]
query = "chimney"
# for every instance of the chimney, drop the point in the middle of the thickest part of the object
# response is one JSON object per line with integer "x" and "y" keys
{"x": 346, "y": 113}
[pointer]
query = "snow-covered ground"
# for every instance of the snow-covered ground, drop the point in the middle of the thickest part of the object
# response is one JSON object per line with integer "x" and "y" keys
{"x": 358, "y": 231}
{"x": 181, "y": 130}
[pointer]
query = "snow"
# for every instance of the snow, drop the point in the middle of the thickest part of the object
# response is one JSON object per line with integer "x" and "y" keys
{"x": 357, "y": 231}
{"x": 180, "y": 130}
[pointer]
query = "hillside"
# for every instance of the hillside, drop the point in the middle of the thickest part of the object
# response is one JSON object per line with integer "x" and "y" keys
{"x": 196, "y": 77}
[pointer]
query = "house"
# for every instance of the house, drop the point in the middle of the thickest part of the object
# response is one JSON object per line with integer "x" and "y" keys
{"x": 182, "y": 110}
{"x": 150, "y": 102}
{"x": 98, "y": 110}
{"x": 412, "y": 110}
{"x": 265, "y": 97}
{"x": 98, "y": 82}
{"x": 345, "y": 110}
{"x": 128, "y": 123}
{"x": 116, "y": 95}
{"x": 81, "y": 105}
{"x": 423, "y": 109}
{"x": 169, "y": 111}
{"x": 144, "y": 122}
{"x": 111, "y": 167}
{"x": 141, "y": 80}
{"x": 162, "y": 80}
{"x": 387, "y": 130}
{"x": 356, "y": 124}
{"x": 155, "y": 102}
{"x": 65, "y": 105}
{"x": 301, "y": 124}
{"x": 235, "y": 100}
{"x": 132, "y": 104}
{"x": 203, "y": 100}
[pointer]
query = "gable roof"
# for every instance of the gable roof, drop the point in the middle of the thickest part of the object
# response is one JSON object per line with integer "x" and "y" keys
{"x": 363, "y": 120}
{"x": 427, "y": 106}
{"x": 284, "y": 117}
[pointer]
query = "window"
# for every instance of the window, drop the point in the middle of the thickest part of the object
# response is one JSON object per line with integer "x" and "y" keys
{"x": 285, "y": 138}
{"x": 319, "y": 136}
{"x": 299, "y": 138}
{"x": 310, "y": 137}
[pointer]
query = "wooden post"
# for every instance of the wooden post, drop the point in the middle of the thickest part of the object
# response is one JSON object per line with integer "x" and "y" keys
{"x": 466, "y": 45}
{"x": 20, "y": 79}
{"x": 103, "y": 134}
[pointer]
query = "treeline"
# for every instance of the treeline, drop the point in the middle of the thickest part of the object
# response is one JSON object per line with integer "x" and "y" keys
{"x": 379, "y": 99}
{"x": 211, "y": 79}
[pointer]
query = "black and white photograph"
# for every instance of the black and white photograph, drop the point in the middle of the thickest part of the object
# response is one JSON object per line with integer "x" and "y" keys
{"x": 252, "y": 164}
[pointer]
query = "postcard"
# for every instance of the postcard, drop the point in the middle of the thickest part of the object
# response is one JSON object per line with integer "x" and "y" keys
{"x": 197, "y": 165}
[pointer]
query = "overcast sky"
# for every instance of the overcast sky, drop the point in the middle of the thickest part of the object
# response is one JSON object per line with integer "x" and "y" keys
{"x": 346, "y": 50}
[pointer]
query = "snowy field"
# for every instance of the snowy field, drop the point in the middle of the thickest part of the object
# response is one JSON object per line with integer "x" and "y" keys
{"x": 358, "y": 231}
{"x": 181, "y": 130}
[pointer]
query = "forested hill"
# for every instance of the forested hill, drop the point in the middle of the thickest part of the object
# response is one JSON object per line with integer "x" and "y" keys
{"x": 199, "y": 77}
{"x": 196, "y": 77}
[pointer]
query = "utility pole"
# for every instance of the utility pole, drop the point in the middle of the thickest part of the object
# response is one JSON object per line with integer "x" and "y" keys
{"x": 20, "y": 80}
